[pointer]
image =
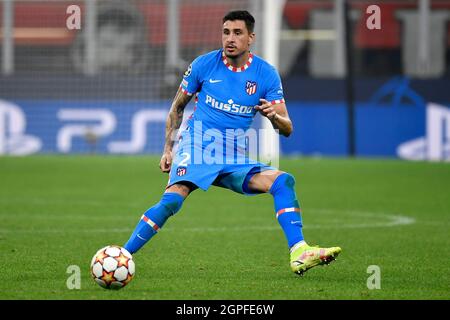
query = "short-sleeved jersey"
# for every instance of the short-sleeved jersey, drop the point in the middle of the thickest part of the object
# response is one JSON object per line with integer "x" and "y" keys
{"x": 225, "y": 95}
{"x": 225, "y": 100}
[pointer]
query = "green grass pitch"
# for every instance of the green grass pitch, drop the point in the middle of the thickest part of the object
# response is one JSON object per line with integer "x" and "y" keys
{"x": 57, "y": 211}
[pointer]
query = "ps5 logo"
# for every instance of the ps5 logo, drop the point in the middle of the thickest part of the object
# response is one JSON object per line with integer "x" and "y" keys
{"x": 13, "y": 139}
{"x": 435, "y": 146}
{"x": 102, "y": 123}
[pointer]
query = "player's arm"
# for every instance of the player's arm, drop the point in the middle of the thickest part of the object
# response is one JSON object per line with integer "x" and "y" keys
{"x": 278, "y": 116}
{"x": 173, "y": 123}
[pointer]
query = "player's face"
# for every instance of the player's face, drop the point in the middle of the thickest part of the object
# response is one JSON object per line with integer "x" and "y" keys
{"x": 236, "y": 39}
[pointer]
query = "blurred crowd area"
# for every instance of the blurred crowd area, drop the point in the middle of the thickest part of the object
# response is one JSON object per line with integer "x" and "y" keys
{"x": 135, "y": 46}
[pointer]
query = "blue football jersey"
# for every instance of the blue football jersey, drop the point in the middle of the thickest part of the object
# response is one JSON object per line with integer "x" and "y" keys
{"x": 225, "y": 100}
{"x": 225, "y": 95}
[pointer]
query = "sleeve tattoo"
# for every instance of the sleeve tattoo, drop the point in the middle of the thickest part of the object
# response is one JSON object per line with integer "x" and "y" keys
{"x": 175, "y": 118}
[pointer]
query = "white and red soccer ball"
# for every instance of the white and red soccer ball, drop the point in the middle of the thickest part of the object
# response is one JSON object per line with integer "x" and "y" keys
{"x": 112, "y": 267}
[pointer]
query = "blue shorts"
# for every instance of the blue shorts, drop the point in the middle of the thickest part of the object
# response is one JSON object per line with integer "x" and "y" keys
{"x": 234, "y": 176}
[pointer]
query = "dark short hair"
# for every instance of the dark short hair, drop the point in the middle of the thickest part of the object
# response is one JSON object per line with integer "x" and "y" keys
{"x": 243, "y": 15}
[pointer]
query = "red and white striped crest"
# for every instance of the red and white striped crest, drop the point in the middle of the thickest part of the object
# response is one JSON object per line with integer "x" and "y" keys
{"x": 250, "y": 87}
{"x": 181, "y": 171}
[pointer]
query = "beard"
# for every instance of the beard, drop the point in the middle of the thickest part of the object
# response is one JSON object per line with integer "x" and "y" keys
{"x": 234, "y": 55}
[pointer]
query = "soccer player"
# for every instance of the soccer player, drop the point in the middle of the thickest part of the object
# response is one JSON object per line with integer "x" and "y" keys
{"x": 231, "y": 85}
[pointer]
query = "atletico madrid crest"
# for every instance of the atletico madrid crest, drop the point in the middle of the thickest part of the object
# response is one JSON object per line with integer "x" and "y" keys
{"x": 181, "y": 171}
{"x": 250, "y": 87}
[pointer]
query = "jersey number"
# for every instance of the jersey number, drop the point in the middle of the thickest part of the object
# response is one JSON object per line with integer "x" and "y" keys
{"x": 184, "y": 162}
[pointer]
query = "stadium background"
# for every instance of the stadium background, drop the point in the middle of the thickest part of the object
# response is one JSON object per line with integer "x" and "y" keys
{"x": 107, "y": 87}
{"x": 88, "y": 106}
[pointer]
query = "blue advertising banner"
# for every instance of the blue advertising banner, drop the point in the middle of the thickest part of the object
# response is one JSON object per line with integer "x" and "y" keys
{"x": 134, "y": 127}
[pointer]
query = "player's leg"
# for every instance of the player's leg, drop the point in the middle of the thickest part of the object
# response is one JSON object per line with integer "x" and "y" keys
{"x": 155, "y": 217}
{"x": 281, "y": 186}
{"x": 254, "y": 179}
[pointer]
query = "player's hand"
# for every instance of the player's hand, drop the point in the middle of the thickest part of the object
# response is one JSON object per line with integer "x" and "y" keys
{"x": 166, "y": 162}
{"x": 266, "y": 109}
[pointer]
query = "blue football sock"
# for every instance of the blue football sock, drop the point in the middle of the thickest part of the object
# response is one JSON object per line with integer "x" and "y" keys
{"x": 153, "y": 219}
{"x": 287, "y": 208}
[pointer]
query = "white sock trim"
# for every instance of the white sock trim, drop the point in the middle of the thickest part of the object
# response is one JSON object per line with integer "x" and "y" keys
{"x": 298, "y": 245}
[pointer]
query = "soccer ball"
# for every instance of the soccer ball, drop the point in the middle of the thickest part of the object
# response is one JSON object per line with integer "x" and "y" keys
{"x": 112, "y": 267}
